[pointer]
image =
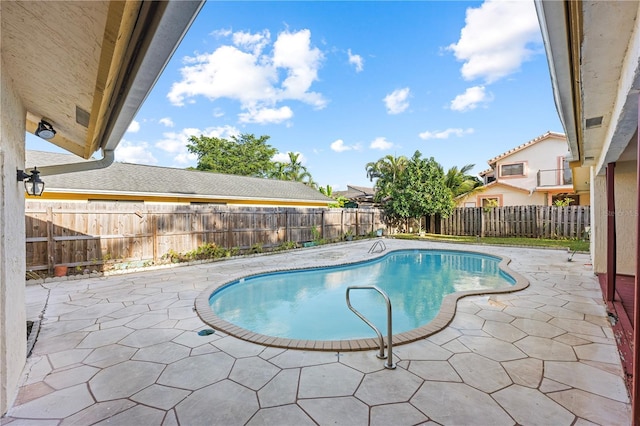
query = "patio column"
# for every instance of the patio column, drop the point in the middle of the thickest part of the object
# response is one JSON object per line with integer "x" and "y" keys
{"x": 635, "y": 403}
{"x": 611, "y": 233}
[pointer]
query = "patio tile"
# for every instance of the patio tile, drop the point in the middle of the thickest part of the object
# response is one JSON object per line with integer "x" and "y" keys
{"x": 328, "y": 380}
{"x": 70, "y": 377}
{"x": 149, "y": 337}
{"x": 165, "y": 353}
{"x": 286, "y": 415}
{"x": 537, "y": 328}
{"x": 253, "y": 372}
{"x": 384, "y": 415}
{"x": 458, "y": 404}
{"x": 465, "y": 321}
{"x": 137, "y": 415}
{"x": 97, "y": 412}
{"x": 107, "y": 356}
{"x": 56, "y": 405}
{"x": 123, "y": 380}
{"x": 531, "y": 407}
{"x": 36, "y": 369}
{"x": 526, "y": 372}
{"x": 587, "y": 378}
{"x": 238, "y": 348}
{"x": 224, "y": 403}
{"x": 455, "y": 347}
{"x": 444, "y": 336}
{"x": 577, "y": 326}
{"x": 196, "y": 372}
{"x": 106, "y": 337}
{"x": 363, "y": 361}
{"x": 147, "y": 320}
{"x": 548, "y": 385}
{"x": 530, "y": 313}
{"x": 68, "y": 357}
{"x": 53, "y": 329}
{"x": 546, "y": 349}
{"x": 388, "y": 386}
{"x": 587, "y": 308}
{"x": 502, "y": 331}
{"x": 494, "y": 315}
{"x": 440, "y": 371}
{"x": 92, "y": 312}
{"x": 594, "y": 408}
{"x": 159, "y": 396}
{"x": 170, "y": 419}
{"x": 63, "y": 342}
{"x": 598, "y": 352}
{"x": 281, "y": 390}
{"x": 423, "y": 350}
{"x": 492, "y": 349}
{"x": 480, "y": 372}
{"x": 294, "y": 358}
{"x": 33, "y": 391}
{"x": 347, "y": 411}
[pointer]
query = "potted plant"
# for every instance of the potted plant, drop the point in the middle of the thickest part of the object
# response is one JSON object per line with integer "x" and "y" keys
{"x": 348, "y": 236}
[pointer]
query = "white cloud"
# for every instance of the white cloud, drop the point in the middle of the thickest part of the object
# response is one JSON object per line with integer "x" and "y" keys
{"x": 133, "y": 127}
{"x": 356, "y": 60}
{"x": 444, "y": 134}
{"x": 168, "y": 122}
{"x": 283, "y": 157}
{"x": 396, "y": 101}
{"x": 175, "y": 143}
{"x": 381, "y": 144}
{"x": 497, "y": 39}
{"x": 339, "y": 146}
{"x": 128, "y": 152}
{"x": 471, "y": 98}
{"x": 253, "y": 75}
{"x": 266, "y": 115}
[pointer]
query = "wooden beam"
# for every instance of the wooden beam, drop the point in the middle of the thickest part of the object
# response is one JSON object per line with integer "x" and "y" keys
{"x": 611, "y": 233}
{"x": 635, "y": 403}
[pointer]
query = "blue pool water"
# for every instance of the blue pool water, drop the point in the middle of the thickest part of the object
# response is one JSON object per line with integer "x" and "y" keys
{"x": 310, "y": 304}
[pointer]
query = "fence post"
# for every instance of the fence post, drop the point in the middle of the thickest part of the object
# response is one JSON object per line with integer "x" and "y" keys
{"x": 154, "y": 230}
{"x": 50, "y": 242}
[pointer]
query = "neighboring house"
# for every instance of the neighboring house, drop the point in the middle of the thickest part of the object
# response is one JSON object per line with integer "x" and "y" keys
{"x": 153, "y": 184}
{"x": 593, "y": 49}
{"x": 84, "y": 67}
{"x": 358, "y": 196}
{"x": 534, "y": 173}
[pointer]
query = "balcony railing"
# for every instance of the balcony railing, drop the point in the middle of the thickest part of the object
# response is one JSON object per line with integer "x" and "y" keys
{"x": 554, "y": 177}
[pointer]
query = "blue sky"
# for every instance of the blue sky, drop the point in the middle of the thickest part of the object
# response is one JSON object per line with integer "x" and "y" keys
{"x": 346, "y": 83}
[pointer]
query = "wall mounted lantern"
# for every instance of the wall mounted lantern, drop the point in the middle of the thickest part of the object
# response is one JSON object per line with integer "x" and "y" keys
{"x": 45, "y": 130}
{"x": 32, "y": 182}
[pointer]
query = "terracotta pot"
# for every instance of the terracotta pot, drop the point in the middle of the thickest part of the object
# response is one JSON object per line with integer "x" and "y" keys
{"x": 60, "y": 270}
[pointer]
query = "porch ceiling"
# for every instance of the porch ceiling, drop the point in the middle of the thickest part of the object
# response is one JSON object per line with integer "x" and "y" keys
{"x": 87, "y": 66}
{"x": 593, "y": 49}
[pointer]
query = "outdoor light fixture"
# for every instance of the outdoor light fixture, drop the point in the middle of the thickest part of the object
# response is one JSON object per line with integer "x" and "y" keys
{"x": 45, "y": 130}
{"x": 32, "y": 183}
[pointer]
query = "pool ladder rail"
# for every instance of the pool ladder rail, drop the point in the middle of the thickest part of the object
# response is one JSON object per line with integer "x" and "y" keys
{"x": 389, "y": 357}
{"x": 379, "y": 244}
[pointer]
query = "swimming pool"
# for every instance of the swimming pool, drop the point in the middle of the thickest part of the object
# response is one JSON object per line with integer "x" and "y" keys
{"x": 309, "y": 305}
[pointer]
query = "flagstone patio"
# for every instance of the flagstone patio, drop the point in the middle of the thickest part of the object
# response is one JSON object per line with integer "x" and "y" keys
{"x": 125, "y": 350}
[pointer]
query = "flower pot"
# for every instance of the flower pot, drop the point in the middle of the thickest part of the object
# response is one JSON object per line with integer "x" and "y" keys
{"x": 60, "y": 271}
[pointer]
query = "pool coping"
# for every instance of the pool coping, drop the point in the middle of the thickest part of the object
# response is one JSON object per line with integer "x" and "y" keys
{"x": 443, "y": 318}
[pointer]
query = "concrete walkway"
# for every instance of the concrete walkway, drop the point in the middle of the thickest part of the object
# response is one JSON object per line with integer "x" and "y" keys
{"x": 124, "y": 350}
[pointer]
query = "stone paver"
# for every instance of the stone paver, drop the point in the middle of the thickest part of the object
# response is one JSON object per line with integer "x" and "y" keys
{"x": 125, "y": 350}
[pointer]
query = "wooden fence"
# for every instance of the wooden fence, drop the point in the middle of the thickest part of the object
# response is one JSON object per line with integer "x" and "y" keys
{"x": 94, "y": 233}
{"x": 519, "y": 221}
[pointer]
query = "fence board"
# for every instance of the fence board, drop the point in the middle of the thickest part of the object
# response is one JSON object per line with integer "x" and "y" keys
{"x": 88, "y": 234}
{"x": 518, "y": 221}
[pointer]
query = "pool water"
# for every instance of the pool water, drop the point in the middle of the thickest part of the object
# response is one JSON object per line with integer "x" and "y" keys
{"x": 310, "y": 304}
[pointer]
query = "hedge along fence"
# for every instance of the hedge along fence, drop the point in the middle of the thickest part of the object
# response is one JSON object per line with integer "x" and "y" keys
{"x": 92, "y": 234}
{"x": 519, "y": 221}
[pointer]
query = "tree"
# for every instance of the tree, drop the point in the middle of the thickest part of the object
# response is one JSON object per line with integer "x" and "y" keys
{"x": 419, "y": 190}
{"x": 243, "y": 155}
{"x": 386, "y": 171}
{"x": 293, "y": 170}
{"x": 460, "y": 182}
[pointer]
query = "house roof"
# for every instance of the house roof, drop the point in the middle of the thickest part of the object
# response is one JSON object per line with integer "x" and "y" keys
{"x": 540, "y": 138}
{"x": 357, "y": 192}
{"x": 154, "y": 181}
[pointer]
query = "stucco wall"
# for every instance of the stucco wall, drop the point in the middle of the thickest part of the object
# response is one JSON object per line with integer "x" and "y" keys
{"x": 13, "y": 331}
{"x": 542, "y": 155}
{"x": 510, "y": 197}
{"x": 625, "y": 197}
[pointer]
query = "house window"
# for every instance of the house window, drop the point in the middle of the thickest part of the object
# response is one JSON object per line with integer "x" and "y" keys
{"x": 488, "y": 201}
{"x": 515, "y": 169}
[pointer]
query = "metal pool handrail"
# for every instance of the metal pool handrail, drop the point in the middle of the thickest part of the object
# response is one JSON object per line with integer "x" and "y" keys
{"x": 389, "y": 363}
{"x": 380, "y": 244}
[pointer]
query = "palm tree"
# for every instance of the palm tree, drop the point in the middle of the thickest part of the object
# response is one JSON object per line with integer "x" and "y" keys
{"x": 460, "y": 182}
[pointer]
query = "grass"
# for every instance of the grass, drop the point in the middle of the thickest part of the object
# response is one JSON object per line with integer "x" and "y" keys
{"x": 577, "y": 245}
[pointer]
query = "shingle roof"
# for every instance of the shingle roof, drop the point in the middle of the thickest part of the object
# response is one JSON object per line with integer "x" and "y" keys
{"x": 524, "y": 145}
{"x": 154, "y": 180}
